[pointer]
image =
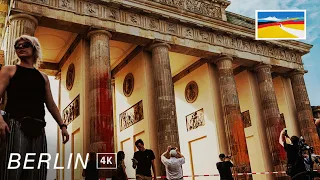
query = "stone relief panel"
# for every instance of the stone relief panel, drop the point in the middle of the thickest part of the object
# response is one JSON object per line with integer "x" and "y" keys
{"x": 204, "y": 36}
{"x": 171, "y": 28}
{"x": 110, "y": 13}
{"x": 70, "y": 76}
{"x": 153, "y": 23}
{"x": 187, "y": 32}
{"x": 67, "y": 4}
{"x": 128, "y": 85}
{"x": 90, "y": 9}
{"x": 246, "y": 118}
{"x": 72, "y": 111}
{"x": 195, "y": 120}
{"x": 134, "y": 19}
{"x": 131, "y": 116}
{"x": 191, "y": 92}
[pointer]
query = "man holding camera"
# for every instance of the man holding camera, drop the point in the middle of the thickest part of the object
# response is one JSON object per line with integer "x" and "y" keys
{"x": 224, "y": 167}
{"x": 173, "y": 160}
{"x": 295, "y": 162}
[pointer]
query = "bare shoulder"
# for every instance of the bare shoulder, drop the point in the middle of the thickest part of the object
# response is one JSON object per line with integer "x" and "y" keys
{"x": 45, "y": 76}
{"x": 9, "y": 70}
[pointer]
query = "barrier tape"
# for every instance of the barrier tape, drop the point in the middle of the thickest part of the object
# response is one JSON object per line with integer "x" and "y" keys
{"x": 237, "y": 174}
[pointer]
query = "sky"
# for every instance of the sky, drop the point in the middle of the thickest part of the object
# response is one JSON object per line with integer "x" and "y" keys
{"x": 311, "y": 60}
{"x": 51, "y": 131}
{"x": 280, "y": 15}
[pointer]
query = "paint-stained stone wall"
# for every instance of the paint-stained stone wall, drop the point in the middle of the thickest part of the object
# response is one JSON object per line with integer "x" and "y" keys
{"x": 145, "y": 129}
{"x": 199, "y": 146}
{"x": 75, "y": 128}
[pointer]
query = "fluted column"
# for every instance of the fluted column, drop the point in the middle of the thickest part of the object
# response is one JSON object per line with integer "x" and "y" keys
{"x": 232, "y": 115}
{"x": 271, "y": 113}
{"x": 165, "y": 100}
{"x": 19, "y": 24}
{"x": 305, "y": 115}
{"x": 3, "y": 15}
{"x": 100, "y": 112}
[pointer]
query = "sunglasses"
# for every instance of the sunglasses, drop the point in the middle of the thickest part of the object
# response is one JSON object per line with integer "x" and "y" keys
{"x": 23, "y": 45}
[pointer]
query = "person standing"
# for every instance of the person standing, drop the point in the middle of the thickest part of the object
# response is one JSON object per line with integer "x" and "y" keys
{"x": 295, "y": 163}
{"x": 142, "y": 161}
{"x": 173, "y": 161}
{"x": 120, "y": 173}
{"x": 91, "y": 172}
{"x": 23, "y": 121}
{"x": 224, "y": 167}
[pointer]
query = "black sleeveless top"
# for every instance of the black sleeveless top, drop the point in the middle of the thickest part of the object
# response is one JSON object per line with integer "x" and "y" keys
{"x": 26, "y": 94}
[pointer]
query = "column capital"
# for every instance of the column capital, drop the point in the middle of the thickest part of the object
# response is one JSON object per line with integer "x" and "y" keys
{"x": 25, "y": 16}
{"x": 221, "y": 58}
{"x": 261, "y": 65}
{"x": 157, "y": 44}
{"x": 297, "y": 71}
{"x": 99, "y": 32}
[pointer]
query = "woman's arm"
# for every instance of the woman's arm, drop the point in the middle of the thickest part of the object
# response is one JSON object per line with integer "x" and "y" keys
{"x": 282, "y": 138}
{"x": 5, "y": 75}
{"x": 124, "y": 170}
{"x": 53, "y": 109}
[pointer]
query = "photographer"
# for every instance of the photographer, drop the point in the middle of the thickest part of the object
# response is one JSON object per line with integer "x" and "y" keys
{"x": 173, "y": 161}
{"x": 224, "y": 167}
{"x": 295, "y": 159}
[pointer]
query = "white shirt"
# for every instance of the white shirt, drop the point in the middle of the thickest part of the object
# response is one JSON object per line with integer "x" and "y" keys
{"x": 173, "y": 167}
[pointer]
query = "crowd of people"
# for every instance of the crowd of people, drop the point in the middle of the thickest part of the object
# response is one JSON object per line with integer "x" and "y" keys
{"x": 143, "y": 162}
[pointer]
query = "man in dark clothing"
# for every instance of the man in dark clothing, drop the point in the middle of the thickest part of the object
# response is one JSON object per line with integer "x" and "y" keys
{"x": 91, "y": 172}
{"x": 142, "y": 162}
{"x": 295, "y": 162}
{"x": 224, "y": 167}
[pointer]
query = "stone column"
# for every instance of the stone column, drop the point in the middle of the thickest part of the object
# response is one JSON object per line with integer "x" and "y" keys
{"x": 19, "y": 24}
{"x": 305, "y": 115}
{"x": 167, "y": 125}
{"x": 232, "y": 115}
{"x": 3, "y": 15}
{"x": 271, "y": 113}
{"x": 100, "y": 93}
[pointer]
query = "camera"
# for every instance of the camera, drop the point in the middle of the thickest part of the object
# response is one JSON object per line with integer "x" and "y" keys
{"x": 229, "y": 156}
{"x": 173, "y": 148}
{"x": 303, "y": 146}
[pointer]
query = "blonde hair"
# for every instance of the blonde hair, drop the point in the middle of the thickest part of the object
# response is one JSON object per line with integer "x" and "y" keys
{"x": 37, "y": 54}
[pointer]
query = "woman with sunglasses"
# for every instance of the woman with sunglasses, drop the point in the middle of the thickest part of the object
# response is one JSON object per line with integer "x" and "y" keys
{"x": 22, "y": 124}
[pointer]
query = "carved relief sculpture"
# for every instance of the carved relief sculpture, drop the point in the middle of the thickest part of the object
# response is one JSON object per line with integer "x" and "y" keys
{"x": 131, "y": 116}
{"x": 191, "y": 92}
{"x": 246, "y": 118}
{"x": 128, "y": 84}
{"x": 72, "y": 111}
{"x": 195, "y": 120}
{"x": 70, "y": 76}
{"x": 67, "y": 4}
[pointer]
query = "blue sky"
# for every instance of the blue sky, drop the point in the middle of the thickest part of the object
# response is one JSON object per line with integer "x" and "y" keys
{"x": 280, "y": 15}
{"x": 312, "y": 60}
